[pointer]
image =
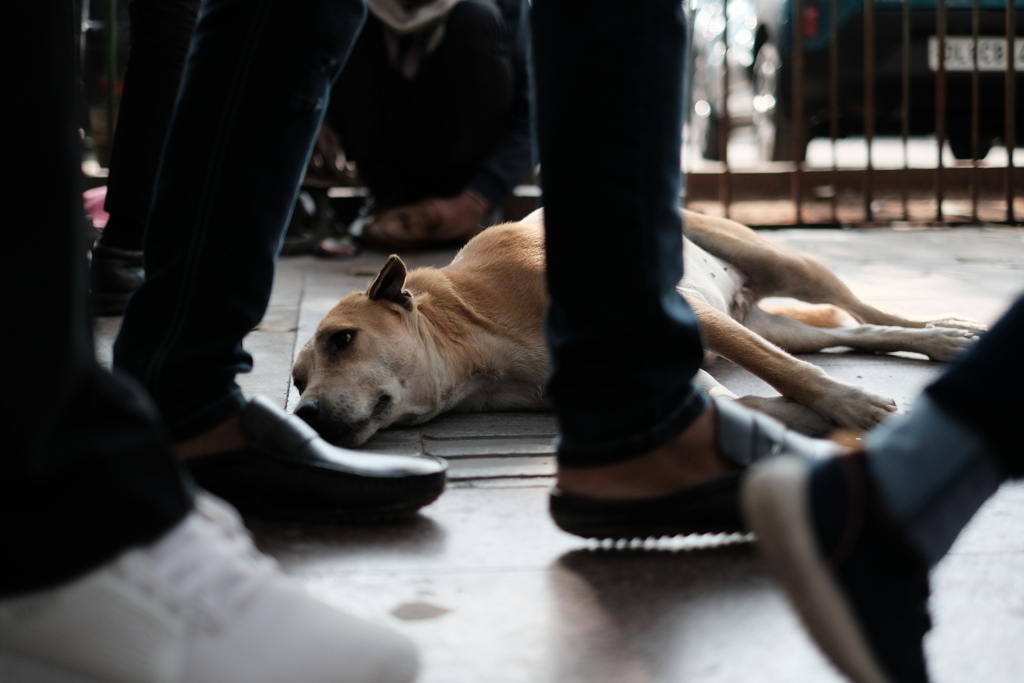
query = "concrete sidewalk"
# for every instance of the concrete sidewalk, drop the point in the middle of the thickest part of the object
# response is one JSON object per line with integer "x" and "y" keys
{"x": 493, "y": 592}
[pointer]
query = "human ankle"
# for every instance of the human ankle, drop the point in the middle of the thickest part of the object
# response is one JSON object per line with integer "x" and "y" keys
{"x": 687, "y": 459}
{"x": 225, "y": 437}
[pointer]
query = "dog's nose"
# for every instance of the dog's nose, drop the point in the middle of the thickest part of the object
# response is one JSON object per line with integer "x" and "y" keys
{"x": 309, "y": 411}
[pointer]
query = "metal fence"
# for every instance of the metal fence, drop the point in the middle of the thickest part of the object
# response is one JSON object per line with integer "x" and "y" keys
{"x": 793, "y": 70}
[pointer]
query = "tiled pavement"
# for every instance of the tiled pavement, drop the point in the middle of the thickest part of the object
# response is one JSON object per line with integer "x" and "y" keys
{"x": 493, "y": 592}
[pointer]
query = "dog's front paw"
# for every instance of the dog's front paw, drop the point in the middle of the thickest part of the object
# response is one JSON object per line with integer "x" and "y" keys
{"x": 791, "y": 413}
{"x": 852, "y": 407}
{"x": 943, "y": 343}
{"x": 959, "y": 324}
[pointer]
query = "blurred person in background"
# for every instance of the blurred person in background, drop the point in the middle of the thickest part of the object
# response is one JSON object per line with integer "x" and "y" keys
{"x": 433, "y": 108}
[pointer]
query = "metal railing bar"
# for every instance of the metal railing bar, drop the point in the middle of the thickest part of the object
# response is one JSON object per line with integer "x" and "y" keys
{"x": 833, "y": 101}
{"x": 869, "y": 102}
{"x": 725, "y": 182}
{"x": 905, "y": 107}
{"x": 940, "y": 102}
{"x": 798, "y": 108}
{"x": 1010, "y": 108}
{"x": 975, "y": 22}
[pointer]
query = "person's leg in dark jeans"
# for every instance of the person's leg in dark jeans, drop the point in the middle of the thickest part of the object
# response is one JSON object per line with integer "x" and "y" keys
{"x": 641, "y": 450}
{"x": 885, "y": 516}
{"x": 252, "y": 98}
{"x": 109, "y": 572}
{"x": 254, "y": 93}
{"x": 426, "y": 136}
{"x": 161, "y": 32}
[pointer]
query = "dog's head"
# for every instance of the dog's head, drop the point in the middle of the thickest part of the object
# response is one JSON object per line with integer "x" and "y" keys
{"x": 366, "y": 366}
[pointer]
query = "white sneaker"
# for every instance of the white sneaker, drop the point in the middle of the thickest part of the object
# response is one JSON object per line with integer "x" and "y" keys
{"x": 200, "y": 605}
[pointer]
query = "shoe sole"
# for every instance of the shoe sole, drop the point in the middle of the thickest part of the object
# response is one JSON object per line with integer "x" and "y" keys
{"x": 774, "y": 500}
{"x": 17, "y": 668}
{"x": 627, "y": 531}
{"x": 381, "y": 513}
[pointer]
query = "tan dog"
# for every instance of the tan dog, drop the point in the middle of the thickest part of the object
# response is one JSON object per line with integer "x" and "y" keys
{"x": 469, "y": 337}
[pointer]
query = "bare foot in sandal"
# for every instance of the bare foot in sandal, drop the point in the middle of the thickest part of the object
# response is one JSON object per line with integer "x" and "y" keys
{"x": 431, "y": 220}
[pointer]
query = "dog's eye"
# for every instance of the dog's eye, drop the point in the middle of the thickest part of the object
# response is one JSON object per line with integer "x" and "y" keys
{"x": 340, "y": 340}
{"x": 299, "y": 384}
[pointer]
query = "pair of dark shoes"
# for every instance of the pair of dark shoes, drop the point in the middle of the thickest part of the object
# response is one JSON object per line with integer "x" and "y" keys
{"x": 859, "y": 586}
{"x": 289, "y": 472}
{"x": 114, "y": 275}
{"x": 744, "y": 437}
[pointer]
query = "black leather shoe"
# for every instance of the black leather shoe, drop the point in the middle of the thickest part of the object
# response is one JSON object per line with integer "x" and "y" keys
{"x": 289, "y": 472}
{"x": 114, "y": 275}
{"x": 744, "y": 437}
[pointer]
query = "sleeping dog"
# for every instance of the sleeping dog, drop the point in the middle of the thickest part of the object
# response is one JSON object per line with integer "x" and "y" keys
{"x": 469, "y": 337}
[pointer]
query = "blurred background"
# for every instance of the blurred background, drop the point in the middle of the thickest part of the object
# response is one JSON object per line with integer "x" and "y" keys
{"x": 801, "y": 112}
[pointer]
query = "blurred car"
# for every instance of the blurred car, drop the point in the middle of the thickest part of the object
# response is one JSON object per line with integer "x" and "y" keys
{"x": 771, "y": 73}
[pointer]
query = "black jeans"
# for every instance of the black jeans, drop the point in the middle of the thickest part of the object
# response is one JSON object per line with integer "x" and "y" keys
{"x": 252, "y": 99}
{"x": 608, "y": 78}
{"x": 426, "y": 136}
{"x": 86, "y": 469}
{"x": 161, "y": 32}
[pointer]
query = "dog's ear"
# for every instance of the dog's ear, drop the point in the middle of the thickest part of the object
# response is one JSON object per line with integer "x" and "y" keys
{"x": 389, "y": 284}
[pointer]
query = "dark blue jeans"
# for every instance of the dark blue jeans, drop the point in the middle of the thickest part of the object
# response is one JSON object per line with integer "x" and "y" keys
{"x": 981, "y": 388}
{"x": 255, "y": 90}
{"x": 625, "y": 346}
{"x": 937, "y": 466}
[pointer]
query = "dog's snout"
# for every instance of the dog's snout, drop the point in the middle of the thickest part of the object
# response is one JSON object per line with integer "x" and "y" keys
{"x": 382, "y": 405}
{"x": 330, "y": 428}
{"x": 309, "y": 412}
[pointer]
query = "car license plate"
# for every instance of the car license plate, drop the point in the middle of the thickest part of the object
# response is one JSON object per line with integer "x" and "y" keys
{"x": 960, "y": 54}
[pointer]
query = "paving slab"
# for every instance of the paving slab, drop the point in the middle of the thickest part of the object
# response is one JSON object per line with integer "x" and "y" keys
{"x": 492, "y": 591}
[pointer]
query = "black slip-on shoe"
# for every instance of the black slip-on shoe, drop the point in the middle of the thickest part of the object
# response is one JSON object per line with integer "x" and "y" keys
{"x": 744, "y": 437}
{"x": 708, "y": 507}
{"x": 114, "y": 275}
{"x": 860, "y": 588}
{"x": 289, "y": 472}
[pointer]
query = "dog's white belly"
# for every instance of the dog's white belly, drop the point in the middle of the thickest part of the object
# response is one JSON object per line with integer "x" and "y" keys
{"x": 718, "y": 282}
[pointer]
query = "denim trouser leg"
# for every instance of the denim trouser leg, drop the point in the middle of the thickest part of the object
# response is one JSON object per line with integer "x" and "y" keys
{"x": 255, "y": 89}
{"x": 161, "y": 32}
{"x": 608, "y": 78}
{"x": 937, "y": 467}
{"x": 86, "y": 468}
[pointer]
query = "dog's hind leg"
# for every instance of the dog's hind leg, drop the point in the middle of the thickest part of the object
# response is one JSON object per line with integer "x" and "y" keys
{"x": 843, "y": 404}
{"x": 938, "y": 343}
{"x": 775, "y": 270}
{"x": 816, "y": 315}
